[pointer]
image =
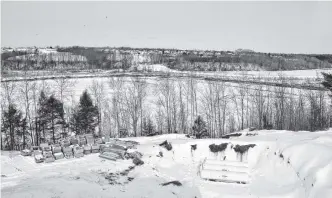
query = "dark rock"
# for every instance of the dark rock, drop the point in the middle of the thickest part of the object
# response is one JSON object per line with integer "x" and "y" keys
{"x": 176, "y": 183}
{"x": 193, "y": 147}
{"x": 231, "y": 135}
{"x": 252, "y": 128}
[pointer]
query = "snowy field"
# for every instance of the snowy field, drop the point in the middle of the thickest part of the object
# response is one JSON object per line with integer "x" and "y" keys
{"x": 283, "y": 164}
{"x": 296, "y": 75}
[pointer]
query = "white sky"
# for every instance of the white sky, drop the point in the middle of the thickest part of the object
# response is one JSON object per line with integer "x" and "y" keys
{"x": 288, "y": 27}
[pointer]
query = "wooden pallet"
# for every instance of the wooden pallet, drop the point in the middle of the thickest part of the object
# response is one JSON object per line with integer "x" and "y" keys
{"x": 225, "y": 171}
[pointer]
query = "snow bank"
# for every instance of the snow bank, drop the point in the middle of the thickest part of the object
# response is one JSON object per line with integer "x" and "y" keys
{"x": 283, "y": 163}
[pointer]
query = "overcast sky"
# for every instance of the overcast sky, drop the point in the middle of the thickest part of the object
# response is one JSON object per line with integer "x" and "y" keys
{"x": 288, "y": 27}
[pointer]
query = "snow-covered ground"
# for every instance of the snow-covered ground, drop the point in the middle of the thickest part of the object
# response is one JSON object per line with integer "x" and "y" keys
{"x": 152, "y": 68}
{"x": 295, "y": 74}
{"x": 282, "y": 164}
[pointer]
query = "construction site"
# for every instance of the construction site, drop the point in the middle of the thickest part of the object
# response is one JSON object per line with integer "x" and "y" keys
{"x": 243, "y": 164}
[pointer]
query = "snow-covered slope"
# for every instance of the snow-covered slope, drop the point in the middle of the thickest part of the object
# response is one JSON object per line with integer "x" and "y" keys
{"x": 282, "y": 164}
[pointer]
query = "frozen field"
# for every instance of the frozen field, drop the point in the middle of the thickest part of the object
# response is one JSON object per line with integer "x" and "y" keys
{"x": 283, "y": 164}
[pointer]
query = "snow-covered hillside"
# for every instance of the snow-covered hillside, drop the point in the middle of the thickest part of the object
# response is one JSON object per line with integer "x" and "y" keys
{"x": 282, "y": 164}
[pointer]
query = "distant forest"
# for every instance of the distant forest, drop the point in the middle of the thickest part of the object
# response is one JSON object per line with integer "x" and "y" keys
{"x": 78, "y": 58}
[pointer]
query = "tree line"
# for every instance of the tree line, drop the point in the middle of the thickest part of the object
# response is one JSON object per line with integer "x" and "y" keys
{"x": 122, "y": 107}
{"x": 75, "y": 58}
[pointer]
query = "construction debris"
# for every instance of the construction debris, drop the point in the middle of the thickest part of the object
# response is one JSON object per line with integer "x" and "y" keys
{"x": 78, "y": 151}
{"x": 56, "y": 149}
{"x": 166, "y": 145}
{"x": 137, "y": 161}
{"x": 95, "y": 148}
{"x": 73, "y": 141}
{"x": 81, "y": 141}
{"x": 176, "y": 183}
{"x": 89, "y": 139}
{"x": 109, "y": 155}
{"x": 99, "y": 141}
{"x": 80, "y": 145}
{"x": 132, "y": 155}
{"x": 87, "y": 149}
{"x": 26, "y": 152}
{"x": 58, "y": 156}
{"x": 48, "y": 156}
{"x": 117, "y": 151}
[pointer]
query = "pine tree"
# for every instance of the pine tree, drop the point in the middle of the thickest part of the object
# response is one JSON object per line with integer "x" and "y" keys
{"x": 148, "y": 127}
{"x": 199, "y": 128}
{"x": 11, "y": 123}
{"x": 52, "y": 116}
{"x": 327, "y": 82}
{"x": 22, "y": 132}
{"x": 85, "y": 117}
{"x": 41, "y": 117}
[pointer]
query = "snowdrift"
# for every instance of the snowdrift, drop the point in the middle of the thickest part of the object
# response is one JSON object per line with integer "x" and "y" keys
{"x": 282, "y": 164}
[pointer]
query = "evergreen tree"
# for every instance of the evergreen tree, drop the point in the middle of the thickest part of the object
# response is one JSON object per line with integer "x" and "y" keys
{"x": 75, "y": 121}
{"x": 41, "y": 117}
{"x": 328, "y": 82}
{"x": 199, "y": 128}
{"x": 85, "y": 117}
{"x": 11, "y": 124}
{"x": 53, "y": 116}
{"x": 23, "y": 132}
{"x": 148, "y": 127}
